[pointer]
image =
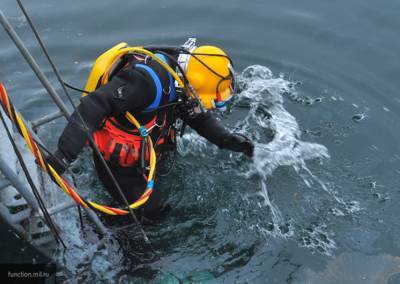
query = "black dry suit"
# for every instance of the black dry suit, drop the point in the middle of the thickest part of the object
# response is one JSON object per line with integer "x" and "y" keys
{"x": 142, "y": 87}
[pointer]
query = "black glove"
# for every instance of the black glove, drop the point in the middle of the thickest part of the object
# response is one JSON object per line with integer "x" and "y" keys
{"x": 240, "y": 143}
{"x": 58, "y": 162}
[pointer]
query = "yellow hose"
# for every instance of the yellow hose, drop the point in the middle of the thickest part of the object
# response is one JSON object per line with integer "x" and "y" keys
{"x": 153, "y": 162}
{"x": 25, "y": 133}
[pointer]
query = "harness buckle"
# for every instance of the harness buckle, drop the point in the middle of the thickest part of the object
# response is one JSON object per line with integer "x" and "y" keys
{"x": 143, "y": 131}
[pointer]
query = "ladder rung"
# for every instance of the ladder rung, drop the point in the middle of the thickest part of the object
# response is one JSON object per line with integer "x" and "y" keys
{"x": 45, "y": 119}
{"x": 43, "y": 240}
{"x": 59, "y": 208}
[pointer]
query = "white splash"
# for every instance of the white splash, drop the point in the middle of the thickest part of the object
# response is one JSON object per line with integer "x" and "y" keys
{"x": 262, "y": 91}
{"x": 286, "y": 148}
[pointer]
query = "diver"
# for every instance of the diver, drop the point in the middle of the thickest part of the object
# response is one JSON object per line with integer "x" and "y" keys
{"x": 138, "y": 84}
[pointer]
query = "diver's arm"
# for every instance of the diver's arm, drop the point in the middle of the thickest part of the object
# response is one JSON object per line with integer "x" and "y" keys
{"x": 210, "y": 128}
{"x": 129, "y": 90}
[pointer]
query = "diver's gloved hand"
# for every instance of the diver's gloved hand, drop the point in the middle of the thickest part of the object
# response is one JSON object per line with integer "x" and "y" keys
{"x": 240, "y": 143}
{"x": 58, "y": 162}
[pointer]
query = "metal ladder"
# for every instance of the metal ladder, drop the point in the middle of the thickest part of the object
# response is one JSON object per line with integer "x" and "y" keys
{"x": 18, "y": 206}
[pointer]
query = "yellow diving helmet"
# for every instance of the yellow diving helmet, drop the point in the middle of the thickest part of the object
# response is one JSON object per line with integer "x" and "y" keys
{"x": 209, "y": 71}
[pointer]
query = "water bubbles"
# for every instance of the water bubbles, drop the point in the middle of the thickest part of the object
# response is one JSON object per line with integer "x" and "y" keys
{"x": 317, "y": 239}
{"x": 270, "y": 227}
{"x": 337, "y": 212}
{"x": 285, "y": 229}
{"x": 293, "y": 85}
{"x": 353, "y": 206}
{"x": 380, "y": 197}
{"x": 358, "y": 117}
{"x": 291, "y": 92}
{"x": 314, "y": 132}
{"x": 294, "y": 97}
{"x": 307, "y": 101}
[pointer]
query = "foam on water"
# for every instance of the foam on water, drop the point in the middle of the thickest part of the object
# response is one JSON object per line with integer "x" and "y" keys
{"x": 87, "y": 256}
{"x": 317, "y": 238}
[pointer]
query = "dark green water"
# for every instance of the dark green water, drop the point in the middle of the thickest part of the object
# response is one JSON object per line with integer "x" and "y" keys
{"x": 318, "y": 204}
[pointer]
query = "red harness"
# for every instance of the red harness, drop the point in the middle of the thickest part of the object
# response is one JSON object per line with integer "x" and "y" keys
{"x": 120, "y": 147}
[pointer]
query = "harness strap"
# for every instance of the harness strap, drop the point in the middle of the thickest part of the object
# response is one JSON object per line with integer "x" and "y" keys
{"x": 172, "y": 92}
{"x": 156, "y": 103}
{"x": 159, "y": 85}
{"x": 114, "y": 157}
{"x": 135, "y": 132}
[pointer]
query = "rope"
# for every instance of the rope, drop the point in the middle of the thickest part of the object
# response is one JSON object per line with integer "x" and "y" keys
{"x": 74, "y": 88}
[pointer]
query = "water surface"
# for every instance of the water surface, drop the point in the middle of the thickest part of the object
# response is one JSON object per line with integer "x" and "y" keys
{"x": 320, "y": 95}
